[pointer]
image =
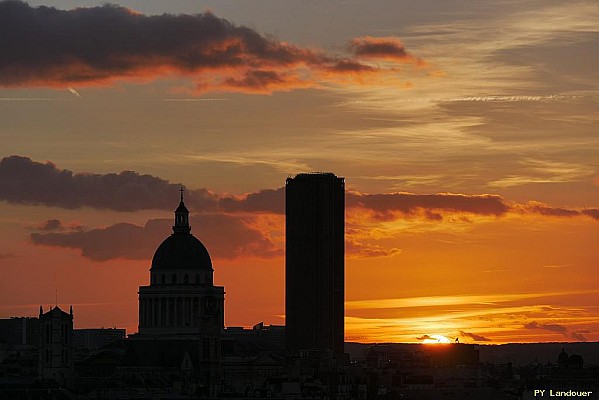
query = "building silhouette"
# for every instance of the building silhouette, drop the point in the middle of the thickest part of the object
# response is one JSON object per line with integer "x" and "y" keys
{"x": 181, "y": 314}
{"x": 55, "y": 351}
{"x": 19, "y": 331}
{"x": 89, "y": 339}
{"x": 181, "y": 297}
{"x": 315, "y": 252}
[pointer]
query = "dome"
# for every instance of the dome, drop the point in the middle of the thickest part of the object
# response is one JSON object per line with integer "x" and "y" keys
{"x": 181, "y": 251}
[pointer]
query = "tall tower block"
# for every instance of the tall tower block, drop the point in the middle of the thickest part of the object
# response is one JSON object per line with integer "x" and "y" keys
{"x": 315, "y": 263}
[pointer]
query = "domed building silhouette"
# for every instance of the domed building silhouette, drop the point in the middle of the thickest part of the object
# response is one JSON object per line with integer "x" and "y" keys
{"x": 181, "y": 297}
{"x": 181, "y": 315}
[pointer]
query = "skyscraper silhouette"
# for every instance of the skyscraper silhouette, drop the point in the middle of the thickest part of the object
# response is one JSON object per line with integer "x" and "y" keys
{"x": 315, "y": 252}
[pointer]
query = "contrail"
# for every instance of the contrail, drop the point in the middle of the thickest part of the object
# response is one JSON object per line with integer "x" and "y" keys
{"x": 27, "y": 99}
{"x": 492, "y": 98}
{"x": 76, "y": 93}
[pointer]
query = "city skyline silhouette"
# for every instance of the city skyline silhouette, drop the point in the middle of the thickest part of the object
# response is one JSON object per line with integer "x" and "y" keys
{"x": 465, "y": 134}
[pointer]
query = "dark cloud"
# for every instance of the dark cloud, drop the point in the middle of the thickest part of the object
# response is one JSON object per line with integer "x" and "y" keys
{"x": 535, "y": 207}
{"x": 547, "y": 327}
{"x": 51, "y": 225}
{"x": 350, "y": 67}
{"x": 230, "y": 236}
{"x": 224, "y": 236}
{"x": 273, "y": 200}
{"x": 423, "y": 337}
{"x": 475, "y": 337}
{"x": 591, "y": 212}
{"x": 56, "y": 225}
{"x": 124, "y": 240}
{"x": 408, "y": 203}
{"x": 266, "y": 200}
{"x": 540, "y": 208}
{"x": 380, "y": 48}
{"x": 24, "y": 181}
{"x": 433, "y": 216}
{"x": 44, "y": 46}
{"x": 579, "y": 335}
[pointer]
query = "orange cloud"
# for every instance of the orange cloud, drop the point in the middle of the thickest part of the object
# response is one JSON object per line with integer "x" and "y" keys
{"x": 258, "y": 82}
{"x": 357, "y": 249}
{"x": 47, "y": 47}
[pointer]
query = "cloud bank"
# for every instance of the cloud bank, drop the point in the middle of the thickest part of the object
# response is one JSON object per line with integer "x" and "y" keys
{"x": 576, "y": 335}
{"x": 48, "y": 47}
{"x": 23, "y": 181}
{"x": 227, "y": 237}
{"x": 408, "y": 203}
{"x": 266, "y": 200}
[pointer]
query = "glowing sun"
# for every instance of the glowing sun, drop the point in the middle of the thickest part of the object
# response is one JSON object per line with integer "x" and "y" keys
{"x": 434, "y": 339}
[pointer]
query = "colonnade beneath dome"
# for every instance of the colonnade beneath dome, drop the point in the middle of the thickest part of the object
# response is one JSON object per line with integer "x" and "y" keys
{"x": 170, "y": 311}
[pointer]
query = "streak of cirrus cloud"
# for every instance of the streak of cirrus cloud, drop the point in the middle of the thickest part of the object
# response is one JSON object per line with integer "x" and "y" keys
{"x": 48, "y": 47}
{"x": 547, "y": 327}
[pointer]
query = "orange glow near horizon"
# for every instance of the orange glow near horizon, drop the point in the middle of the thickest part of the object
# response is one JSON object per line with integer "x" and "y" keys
{"x": 469, "y": 290}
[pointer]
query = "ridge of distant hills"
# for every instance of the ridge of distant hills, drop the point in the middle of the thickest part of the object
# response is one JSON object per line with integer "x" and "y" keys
{"x": 518, "y": 354}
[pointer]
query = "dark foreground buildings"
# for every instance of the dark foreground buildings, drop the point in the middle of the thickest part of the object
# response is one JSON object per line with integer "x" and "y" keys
{"x": 315, "y": 246}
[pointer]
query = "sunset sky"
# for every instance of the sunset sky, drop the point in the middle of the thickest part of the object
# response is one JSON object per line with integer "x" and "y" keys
{"x": 467, "y": 133}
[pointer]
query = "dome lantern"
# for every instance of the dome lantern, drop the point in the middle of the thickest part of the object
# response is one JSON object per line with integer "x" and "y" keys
{"x": 182, "y": 217}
